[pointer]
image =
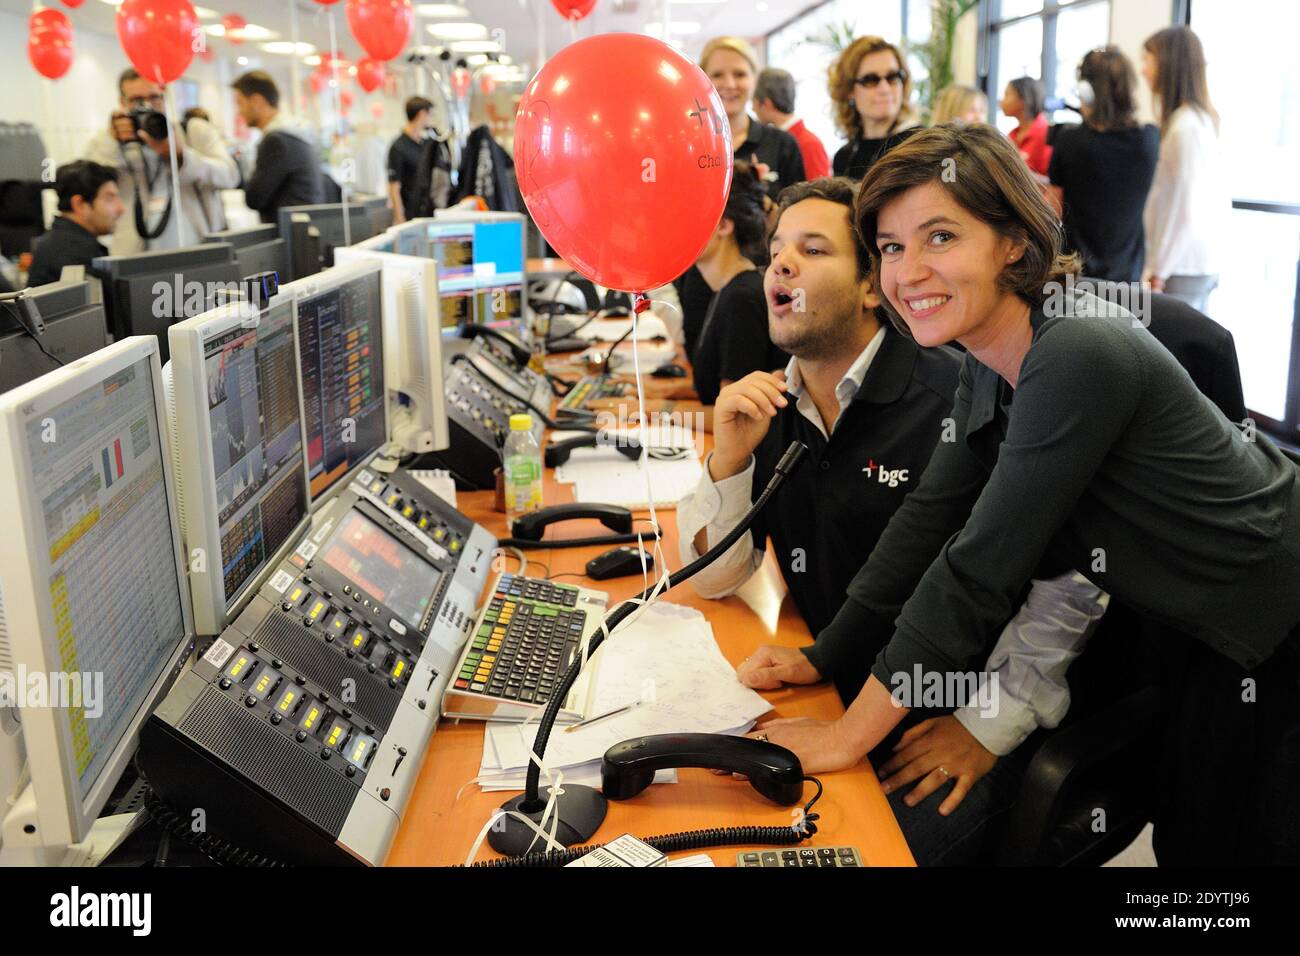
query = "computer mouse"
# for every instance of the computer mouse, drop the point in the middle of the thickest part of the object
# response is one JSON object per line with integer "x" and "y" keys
{"x": 671, "y": 370}
{"x": 618, "y": 563}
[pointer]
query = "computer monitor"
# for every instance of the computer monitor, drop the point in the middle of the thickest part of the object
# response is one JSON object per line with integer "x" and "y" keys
{"x": 236, "y": 426}
{"x": 385, "y": 241}
{"x": 381, "y": 217}
{"x": 417, "y": 415}
{"x": 410, "y": 239}
{"x": 339, "y": 328}
{"x": 257, "y": 249}
{"x": 94, "y": 584}
{"x": 144, "y": 294}
{"x": 328, "y": 220}
{"x": 480, "y": 257}
{"x": 74, "y": 327}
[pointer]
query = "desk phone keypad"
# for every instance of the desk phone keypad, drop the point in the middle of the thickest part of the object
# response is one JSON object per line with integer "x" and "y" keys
{"x": 590, "y": 388}
{"x": 823, "y": 856}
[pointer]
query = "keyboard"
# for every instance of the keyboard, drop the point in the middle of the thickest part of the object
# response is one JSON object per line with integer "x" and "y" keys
{"x": 592, "y": 387}
{"x": 527, "y": 634}
{"x": 823, "y": 856}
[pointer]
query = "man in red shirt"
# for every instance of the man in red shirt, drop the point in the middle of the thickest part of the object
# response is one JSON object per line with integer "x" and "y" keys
{"x": 774, "y": 104}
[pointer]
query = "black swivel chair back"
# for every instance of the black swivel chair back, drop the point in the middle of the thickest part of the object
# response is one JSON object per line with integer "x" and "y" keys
{"x": 1088, "y": 791}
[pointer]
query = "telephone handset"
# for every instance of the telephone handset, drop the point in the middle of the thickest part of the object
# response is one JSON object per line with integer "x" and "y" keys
{"x": 557, "y": 453}
{"x": 531, "y": 526}
{"x": 629, "y": 767}
{"x": 520, "y": 353}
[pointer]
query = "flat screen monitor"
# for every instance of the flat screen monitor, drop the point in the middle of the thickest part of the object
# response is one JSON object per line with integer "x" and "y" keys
{"x": 417, "y": 416}
{"x": 145, "y": 294}
{"x": 257, "y": 249}
{"x": 74, "y": 327}
{"x": 92, "y": 568}
{"x": 237, "y": 430}
{"x": 328, "y": 218}
{"x": 339, "y": 327}
{"x": 480, "y": 258}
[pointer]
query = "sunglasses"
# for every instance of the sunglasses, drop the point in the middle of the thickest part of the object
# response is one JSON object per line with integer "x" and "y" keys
{"x": 871, "y": 80}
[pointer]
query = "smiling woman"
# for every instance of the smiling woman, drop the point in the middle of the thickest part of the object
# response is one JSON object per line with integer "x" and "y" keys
{"x": 1079, "y": 443}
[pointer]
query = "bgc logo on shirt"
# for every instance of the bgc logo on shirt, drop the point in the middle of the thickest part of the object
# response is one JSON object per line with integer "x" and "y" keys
{"x": 885, "y": 476}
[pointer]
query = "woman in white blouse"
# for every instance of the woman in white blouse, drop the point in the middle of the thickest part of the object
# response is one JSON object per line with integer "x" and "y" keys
{"x": 1188, "y": 202}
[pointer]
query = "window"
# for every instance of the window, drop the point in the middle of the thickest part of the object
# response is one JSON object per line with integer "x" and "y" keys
{"x": 1254, "y": 81}
{"x": 1045, "y": 40}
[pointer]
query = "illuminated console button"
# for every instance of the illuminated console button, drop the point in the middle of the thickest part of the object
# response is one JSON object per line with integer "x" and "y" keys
{"x": 454, "y": 546}
{"x": 337, "y": 735}
{"x": 338, "y": 623}
{"x": 318, "y": 608}
{"x": 296, "y": 594}
{"x": 393, "y": 499}
{"x": 408, "y": 511}
{"x": 423, "y": 522}
{"x": 238, "y": 668}
{"x": 439, "y": 534}
{"x": 360, "y": 639}
{"x": 399, "y": 669}
{"x": 289, "y": 700}
{"x": 359, "y": 751}
{"x": 311, "y": 717}
{"x": 264, "y": 682}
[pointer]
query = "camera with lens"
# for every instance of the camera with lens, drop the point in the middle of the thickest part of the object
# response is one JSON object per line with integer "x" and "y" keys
{"x": 150, "y": 121}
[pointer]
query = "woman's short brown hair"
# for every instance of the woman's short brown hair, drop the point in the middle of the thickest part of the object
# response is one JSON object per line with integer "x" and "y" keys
{"x": 1114, "y": 89}
{"x": 844, "y": 71}
{"x": 983, "y": 172}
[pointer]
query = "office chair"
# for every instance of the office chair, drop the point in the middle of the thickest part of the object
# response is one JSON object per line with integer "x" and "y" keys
{"x": 1101, "y": 757}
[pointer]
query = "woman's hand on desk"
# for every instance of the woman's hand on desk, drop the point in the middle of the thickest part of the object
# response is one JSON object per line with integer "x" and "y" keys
{"x": 773, "y": 665}
{"x": 933, "y": 744}
{"x": 822, "y": 746}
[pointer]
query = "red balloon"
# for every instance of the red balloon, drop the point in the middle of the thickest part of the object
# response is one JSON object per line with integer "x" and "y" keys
{"x": 460, "y": 78}
{"x": 73, "y": 4}
{"x": 382, "y": 27}
{"x": 487, "y": 84}
{"x": 158, "y": 36}
{"x": 345, "y": 100}
{"x": 623, "y": 153}
{"x": 370, "y": 74}
{"x": 574, "y": 9}
{"x": 50, "y": 21}
{"x": 377, "y": 109}
{"x": 318, "y": 81}
{"x": 234, "y": 26}
{"x": 327, "y": 3}
{"x": 50, "y": 53}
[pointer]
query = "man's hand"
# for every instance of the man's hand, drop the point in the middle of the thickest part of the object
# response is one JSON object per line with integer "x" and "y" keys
{"x": 772, "y": 665}
{"x": 933, "y": 744}
{"x": 741, "y": 417}
{"x": 161, "y": 146}
{"x": 121, "y": 128}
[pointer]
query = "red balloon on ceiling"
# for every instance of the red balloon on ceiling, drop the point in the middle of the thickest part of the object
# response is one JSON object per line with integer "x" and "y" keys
{"x": 234, "y": 26}
{"x": 318, "y": 81}
{"x": 487, "y": 83}
{"x": 460, "y": 79}
{"x": 574, "y": 9}
{"x": 370, "y": 74}
{"x": 158, "y": 36}
{"x": 345, "y": 100}
{"x": 49, "y": 21}
{"x": 50, "y": 52}
{"x": 623, "y": 153}
{"x": 73, "y": 4}
{"x": 327, "y": 3}
{"x": 382, "y": 27}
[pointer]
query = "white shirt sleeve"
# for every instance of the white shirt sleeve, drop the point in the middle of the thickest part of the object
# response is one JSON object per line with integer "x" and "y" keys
{"x": 1026, "y": 670}
{"x": 207, "y": 160}
{"x": 718, "y": 507}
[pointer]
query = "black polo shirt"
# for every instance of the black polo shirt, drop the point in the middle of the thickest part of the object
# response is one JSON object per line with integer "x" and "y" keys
{"x": 66, "y": 244}
{"x": 409, "y": 166}
{"x": 734, "y": 340}
{"x": 778, "y": 150}
{"x": 826, "y": 519}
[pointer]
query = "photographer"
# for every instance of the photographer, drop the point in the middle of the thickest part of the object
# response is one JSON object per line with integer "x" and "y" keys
{"x": 137, "y": 143}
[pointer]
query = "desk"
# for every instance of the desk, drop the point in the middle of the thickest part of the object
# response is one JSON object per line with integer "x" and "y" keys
{"x": 439, "y": 829}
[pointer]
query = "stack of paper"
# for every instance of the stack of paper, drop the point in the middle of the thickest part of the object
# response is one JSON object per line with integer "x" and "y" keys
{"x": 667, "y": 664}
{"x": 605, "y": 475}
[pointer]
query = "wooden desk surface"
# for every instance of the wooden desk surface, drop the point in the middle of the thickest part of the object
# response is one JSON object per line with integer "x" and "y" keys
{"x": 439, "y": 827}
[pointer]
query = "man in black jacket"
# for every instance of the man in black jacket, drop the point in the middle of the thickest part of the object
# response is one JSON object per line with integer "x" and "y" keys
{"x": 89, "y": 207}
{"x": 288, "y": 169}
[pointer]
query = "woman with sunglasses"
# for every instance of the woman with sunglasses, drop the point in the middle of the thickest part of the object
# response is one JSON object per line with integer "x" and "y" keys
{"x": 872, "y": 93}
{"x": 1080, "y": 443}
